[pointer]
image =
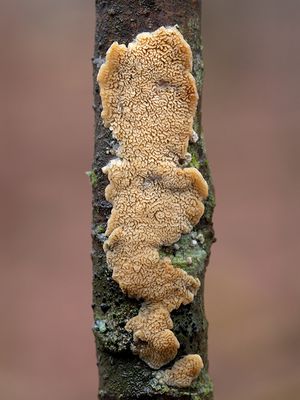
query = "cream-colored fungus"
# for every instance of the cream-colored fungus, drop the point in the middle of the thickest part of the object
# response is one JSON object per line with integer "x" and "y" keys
{"x": 149, "y": 100}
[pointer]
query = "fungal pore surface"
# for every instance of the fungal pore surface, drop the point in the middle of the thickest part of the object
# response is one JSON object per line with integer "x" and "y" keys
{"x": 149, "y": 99}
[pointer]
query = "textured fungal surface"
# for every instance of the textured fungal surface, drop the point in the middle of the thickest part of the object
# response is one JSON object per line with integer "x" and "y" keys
{"x": 183, "y": 372}
{"x": 149, "y": 100}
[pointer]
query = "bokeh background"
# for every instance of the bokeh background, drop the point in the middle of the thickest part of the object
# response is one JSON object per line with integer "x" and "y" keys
{"x": 251, "y": 121}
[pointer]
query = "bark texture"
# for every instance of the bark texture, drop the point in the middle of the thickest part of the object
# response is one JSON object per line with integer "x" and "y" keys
{"x": 121, "y": 374}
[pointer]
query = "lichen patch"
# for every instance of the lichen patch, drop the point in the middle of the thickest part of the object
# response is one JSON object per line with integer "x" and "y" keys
{"x": 149, "y": 100}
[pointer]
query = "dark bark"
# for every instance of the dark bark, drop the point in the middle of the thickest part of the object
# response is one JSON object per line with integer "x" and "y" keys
{"x": 121, "y": 374}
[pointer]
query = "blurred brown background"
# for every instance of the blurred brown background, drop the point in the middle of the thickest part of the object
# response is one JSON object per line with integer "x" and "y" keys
{"x": 250, "y": 116}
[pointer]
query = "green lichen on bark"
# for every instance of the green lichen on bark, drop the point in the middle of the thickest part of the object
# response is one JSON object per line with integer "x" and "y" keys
{"x": 92, "y": 177}
{"x": 121, "y": 374}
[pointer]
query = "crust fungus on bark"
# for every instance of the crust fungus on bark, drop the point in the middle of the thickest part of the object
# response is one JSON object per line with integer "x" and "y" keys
{"x": 149, "y": 99}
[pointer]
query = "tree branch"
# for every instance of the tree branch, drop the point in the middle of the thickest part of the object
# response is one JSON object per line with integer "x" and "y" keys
{"x": 121, "y": 374}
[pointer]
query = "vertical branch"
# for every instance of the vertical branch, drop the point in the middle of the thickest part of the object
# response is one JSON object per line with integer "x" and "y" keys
{"x": 121, "y": 374}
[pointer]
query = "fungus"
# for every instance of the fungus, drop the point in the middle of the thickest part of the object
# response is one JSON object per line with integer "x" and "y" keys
{"x": 183, "y": 372}
{"x": 149, "y": 100}
{"x": 155, "y": 343}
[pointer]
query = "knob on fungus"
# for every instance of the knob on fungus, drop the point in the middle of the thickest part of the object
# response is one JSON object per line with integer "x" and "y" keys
{"x": 149, "y": 100}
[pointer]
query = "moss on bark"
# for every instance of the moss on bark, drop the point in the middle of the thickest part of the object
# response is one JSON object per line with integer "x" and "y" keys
{"x": 121, "y": 374}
